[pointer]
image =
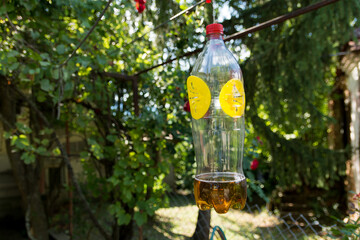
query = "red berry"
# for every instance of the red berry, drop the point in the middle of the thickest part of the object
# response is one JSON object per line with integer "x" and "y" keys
{"x": 259, "y": 140}
{"x": 208, "y": 1}
{"x": 254, "y": 164}
{"x": 187, "y": 106}
{"x": 141, "y": 1}
{"x": 140, "y": 7}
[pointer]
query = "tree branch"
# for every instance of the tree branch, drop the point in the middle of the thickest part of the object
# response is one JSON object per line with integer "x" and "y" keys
{"x": 253, "y": 29}
{"x": 166, "y": 22}
{"x": 88, "y": 34}
{"x": 117, "y": 76}
{"x": 16, "y": 30}
{"x": 280, "y": 19}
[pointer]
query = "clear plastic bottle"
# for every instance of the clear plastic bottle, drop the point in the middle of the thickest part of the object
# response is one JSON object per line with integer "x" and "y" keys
{"x": 217, "y": 104}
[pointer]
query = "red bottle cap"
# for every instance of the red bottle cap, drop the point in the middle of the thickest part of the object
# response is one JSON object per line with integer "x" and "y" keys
{"x": 214, "y": 28}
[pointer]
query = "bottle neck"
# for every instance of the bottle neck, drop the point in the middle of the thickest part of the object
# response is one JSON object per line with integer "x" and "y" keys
{"x": 216, "y": 38}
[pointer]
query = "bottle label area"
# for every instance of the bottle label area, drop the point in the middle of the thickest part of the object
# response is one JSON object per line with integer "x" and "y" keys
{"x": 232, "y": 98}
{"x": 199, "y": 97}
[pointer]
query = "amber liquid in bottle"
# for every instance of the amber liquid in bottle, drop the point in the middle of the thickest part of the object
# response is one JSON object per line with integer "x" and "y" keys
{"x": 220, "y": 190}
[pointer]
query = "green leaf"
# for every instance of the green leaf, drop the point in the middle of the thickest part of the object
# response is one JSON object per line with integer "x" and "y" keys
{"x": 6, "y": 8}
{"x": 41, "y": 97}
{"x": 84, "y": 155}
{"x": 114, "y": 181}
{"x": 69, "y": 86}
{"x": 45, "y": 142}
{"x": 123, "y": 218}
{"x": 45, "y": 56}
{"x": 7, "y": 135}
{"x": 41, "y": 150}
{"x": 46, "y": 85}
{"x": 44, "y": 64}
{"x": 60, "y": 49}
{"x": 23, "y": 128}
{"x": 101, "y": 59}
{"x": 29, "y": 4}
{"x": 95, "y": 148}
{"x": 111, "y": 138}
{"x": 20, "y": 142}
{"x": 55, "y": 73}
{"x": 139, "y": 147}
{"x": 140, "y": 218}
{"x": 46, "y": 131}
{"x": 14, "y": 66}
{"x": 35, "y": 35}
{"x": 56, "y": 151}
{"x": 13, "y": 53}
{"x": 27, "y": 157}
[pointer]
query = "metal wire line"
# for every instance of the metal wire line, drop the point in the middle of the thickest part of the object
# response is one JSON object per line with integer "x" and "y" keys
{"x": 247, "y": 31}
{"x": 166, "y": 22}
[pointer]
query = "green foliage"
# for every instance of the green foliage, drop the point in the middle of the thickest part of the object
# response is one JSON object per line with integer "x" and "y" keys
{"x": 288, "y": 79}
{"x": 255, "y": 178}
{"x": 349, "y": 230}
{"x": 30, "y": 148}
{"x": 127, "y": 156}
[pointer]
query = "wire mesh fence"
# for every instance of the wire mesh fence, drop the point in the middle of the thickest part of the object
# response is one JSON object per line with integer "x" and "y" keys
{"x": 179, "y": 221}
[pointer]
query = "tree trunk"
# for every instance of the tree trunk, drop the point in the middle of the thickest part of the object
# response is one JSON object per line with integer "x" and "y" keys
{"x": 27, "y": 178}
{"x": 202, "y": 229}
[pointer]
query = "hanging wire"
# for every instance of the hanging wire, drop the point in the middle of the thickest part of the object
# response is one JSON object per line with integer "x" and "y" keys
{"x": 247, "y": 31}
{"x": 214, "y": 12}
{"x": 166, "y": 22}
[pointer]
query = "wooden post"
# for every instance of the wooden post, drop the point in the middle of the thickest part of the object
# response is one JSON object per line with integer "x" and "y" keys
{"x": 202, "y": 230}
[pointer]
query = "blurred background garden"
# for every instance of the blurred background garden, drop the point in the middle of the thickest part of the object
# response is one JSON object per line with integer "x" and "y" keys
{"x": 95, "y": 129}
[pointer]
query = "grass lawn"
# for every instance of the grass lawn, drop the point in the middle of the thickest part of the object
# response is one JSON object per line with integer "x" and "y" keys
{"x": 178, "y": 222}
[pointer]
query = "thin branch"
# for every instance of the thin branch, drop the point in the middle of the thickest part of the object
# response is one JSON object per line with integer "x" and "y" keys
{"x": 253, "y": 29}
{"x": 67, "y": 162}
{"x": 16, "y": 30}
{"x": 166, "y": 22}
{"x": 280, "y": 19}
{"x": 117, "y": 76}
{"x": 169, "y": 61}
{"x": 11, "y": 23}
{"x": 87, "y": 34}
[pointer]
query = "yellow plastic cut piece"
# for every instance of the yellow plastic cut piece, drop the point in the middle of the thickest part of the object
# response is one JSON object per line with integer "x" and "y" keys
{"x": 199, "y": 97}
{"x": 232, "y": 98}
